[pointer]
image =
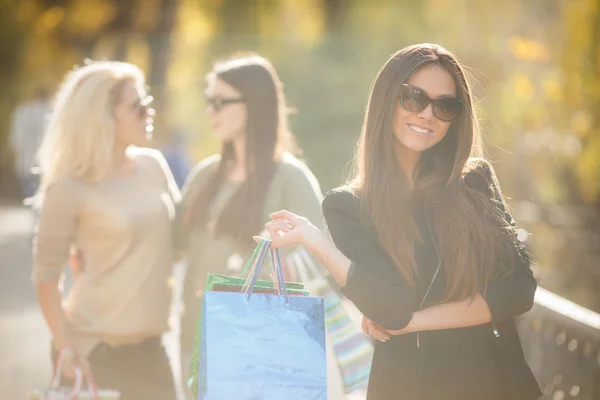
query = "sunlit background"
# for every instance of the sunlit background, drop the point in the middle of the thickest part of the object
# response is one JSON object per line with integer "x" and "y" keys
{"x": 536, "y": 64}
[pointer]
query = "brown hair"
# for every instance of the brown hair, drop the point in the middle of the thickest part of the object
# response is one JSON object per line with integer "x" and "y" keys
{"x": 464, "y": 221}
{"x": 267, "y": 137}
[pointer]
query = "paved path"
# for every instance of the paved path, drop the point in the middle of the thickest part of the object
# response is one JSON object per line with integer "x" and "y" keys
{"x": 24, "y": 337}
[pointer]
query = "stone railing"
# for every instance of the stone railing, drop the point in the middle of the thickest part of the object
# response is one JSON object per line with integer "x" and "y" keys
{"x": 561, "y": 341}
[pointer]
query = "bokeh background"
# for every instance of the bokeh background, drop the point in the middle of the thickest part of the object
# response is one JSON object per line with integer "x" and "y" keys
{"x": 536, "y": 64}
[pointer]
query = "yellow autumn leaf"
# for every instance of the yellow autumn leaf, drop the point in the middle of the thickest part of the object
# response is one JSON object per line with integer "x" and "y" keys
{"x": 524, "y": 87}
{"x": 86, "y": 17}
{"x": 49, "y": 20}
{"x": 552, "y": 88}
{"x": 528, "y": 49}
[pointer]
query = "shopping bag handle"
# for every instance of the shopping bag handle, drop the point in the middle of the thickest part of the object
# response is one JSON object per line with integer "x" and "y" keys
{"x": 254, "y": 266}
{"x": 78, "y": 382}
{"x": 304, "y": 264}
{"x": 277, "y": 273}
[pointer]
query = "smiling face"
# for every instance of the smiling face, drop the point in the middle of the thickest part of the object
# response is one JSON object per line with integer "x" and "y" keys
{"x": 416, "y": 132}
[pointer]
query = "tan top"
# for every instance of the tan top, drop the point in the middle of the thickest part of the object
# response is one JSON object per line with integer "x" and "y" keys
{"x": 122, "y": 227}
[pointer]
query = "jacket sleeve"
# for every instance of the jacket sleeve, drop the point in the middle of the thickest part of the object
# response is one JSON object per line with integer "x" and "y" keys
{"x": 512, "y": 294}
{"x": 373, "y": 284}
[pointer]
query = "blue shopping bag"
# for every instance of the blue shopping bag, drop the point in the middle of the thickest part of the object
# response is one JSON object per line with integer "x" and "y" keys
{"x": 262, "y": 346}
{"x": 352, "y": 349}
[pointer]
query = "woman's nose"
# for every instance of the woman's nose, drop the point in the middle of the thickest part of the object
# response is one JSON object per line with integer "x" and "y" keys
{"x": 427, "y": 112}
{"x": 210, "y": 110}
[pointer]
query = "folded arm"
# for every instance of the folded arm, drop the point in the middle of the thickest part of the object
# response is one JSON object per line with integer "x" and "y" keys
{"x": 372, "y": 282}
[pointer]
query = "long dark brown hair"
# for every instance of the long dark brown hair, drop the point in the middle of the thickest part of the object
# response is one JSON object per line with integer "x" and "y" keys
{"x": 465, "y": 221}
{"x": 267, "y": 137}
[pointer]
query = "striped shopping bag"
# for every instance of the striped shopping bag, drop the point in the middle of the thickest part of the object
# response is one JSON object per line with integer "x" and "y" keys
{"x": 353, "y": 350}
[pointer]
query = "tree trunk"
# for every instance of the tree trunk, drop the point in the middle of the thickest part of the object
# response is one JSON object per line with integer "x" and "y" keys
{"x": 160, "y": 44}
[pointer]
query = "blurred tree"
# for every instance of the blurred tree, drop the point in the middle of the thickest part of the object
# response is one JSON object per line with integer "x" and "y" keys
{"x": 56, "y": 34}
{"x": 581, "y": 85}
{"x": 159, "y": 39}
{"x": 336, "y": 12}
{"x": 579, "y": 171}
{"x": 10, "y": 54}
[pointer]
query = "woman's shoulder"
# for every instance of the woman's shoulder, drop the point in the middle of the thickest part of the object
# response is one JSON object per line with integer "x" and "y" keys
{"x": 145, "y": 154}
{"x": 344, "y": 198}
{"x": 479, "y": 174}
{"x": 344, "y": 215}
{"x": 151, "y": 160}
{"x": 206, "y": 165}
{"x": 291, "y": 166}
{"x": 292, "y": 171}
{"x": 65, "y": 191}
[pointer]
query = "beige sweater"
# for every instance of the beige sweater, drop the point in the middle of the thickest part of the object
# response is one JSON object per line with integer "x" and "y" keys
{"x": 122, "y": 227}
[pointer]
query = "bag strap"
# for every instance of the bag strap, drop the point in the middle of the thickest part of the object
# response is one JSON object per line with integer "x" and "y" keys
{"x": 77, "y": 383}
{"x": 255, "y": 265}
{"x": 296, "y": 262}
{"x": 250, "y": 262}
{"x": 310, "y": 264}
{"x": 277, "y": 271}
{"x": 301, "y": 261}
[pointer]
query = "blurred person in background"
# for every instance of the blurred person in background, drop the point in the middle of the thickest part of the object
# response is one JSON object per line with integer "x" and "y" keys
{"x": 112, "y": 200}
{"x": 226, "y": 198}
{"x": 424, "y": 245}
{"x": 26, "y": 132}
{"x": 176, "y": 155}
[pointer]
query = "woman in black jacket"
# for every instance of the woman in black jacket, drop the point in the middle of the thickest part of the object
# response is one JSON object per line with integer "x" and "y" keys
{"x": 424, "y": 246}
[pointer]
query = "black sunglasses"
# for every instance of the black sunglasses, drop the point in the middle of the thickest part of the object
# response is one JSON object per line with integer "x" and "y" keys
{"x": 218, "y": 102}
{"x": 144, "y": 108}
{"x": 414, "y": 99}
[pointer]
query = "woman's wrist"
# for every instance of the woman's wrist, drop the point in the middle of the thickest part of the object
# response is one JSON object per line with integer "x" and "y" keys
{"x": 61, "y": 344}
{"x": 317, "y": 243}
{"x": 62, "y": 339}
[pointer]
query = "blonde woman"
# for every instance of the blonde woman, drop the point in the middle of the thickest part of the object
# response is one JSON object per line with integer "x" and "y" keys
{"x": 105, "y": 195}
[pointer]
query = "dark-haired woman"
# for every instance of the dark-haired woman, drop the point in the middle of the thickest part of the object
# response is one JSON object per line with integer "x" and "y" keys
{"x": 227, "y": 197}
{"x": 424, "y": 245}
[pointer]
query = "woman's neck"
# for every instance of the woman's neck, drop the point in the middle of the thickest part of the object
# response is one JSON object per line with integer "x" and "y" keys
{"x": 408, "y": 161}
{"x": 122, "y": 163}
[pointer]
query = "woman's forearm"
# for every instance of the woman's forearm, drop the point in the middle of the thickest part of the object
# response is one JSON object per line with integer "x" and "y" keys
{"x": 456, "y": 314}
{"x": 334, "y": 260}
{"x": 288, "y": 229}
{"x": 50, "y": 301}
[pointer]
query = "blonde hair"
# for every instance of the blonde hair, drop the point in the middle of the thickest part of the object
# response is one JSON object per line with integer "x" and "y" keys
{"x": 80, "y": 138}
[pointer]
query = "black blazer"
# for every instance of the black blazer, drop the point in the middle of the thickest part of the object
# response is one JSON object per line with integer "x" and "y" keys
{"x": 474, "y": 363}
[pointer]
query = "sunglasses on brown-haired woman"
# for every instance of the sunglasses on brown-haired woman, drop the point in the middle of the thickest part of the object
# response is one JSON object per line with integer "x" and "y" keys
{"x": 218, "y": 102}
{"x": 415, "y": 99}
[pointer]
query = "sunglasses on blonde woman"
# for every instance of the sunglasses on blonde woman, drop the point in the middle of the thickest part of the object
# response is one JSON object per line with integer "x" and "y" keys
{"x": 415, "y": 99}
{"x": 143, "y": 107}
